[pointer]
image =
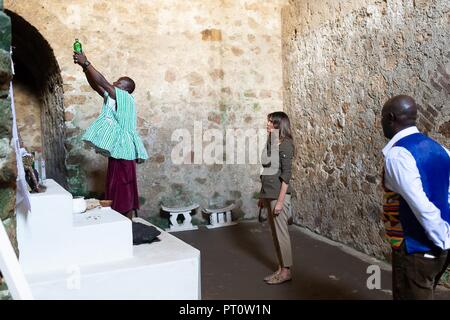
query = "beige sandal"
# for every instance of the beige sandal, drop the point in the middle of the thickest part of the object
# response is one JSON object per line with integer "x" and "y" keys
{"x": 278, "y": 279}
{"x": 271, "y": 275}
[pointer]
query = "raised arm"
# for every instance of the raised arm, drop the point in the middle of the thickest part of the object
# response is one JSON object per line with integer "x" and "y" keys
{"x": 95, "y": 79}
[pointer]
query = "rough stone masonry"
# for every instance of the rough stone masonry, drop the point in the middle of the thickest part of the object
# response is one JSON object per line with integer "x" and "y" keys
{"x": 228, "y": 63}
{"x": 341, "y": 61}
{"x": 217, "y": 63}
{"x": 8, "y": 171}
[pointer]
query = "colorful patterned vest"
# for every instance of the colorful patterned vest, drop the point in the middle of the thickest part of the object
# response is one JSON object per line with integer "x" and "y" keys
{"x": 391, "y": 217}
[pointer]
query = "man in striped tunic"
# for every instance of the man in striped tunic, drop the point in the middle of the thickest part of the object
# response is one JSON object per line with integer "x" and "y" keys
{"x": 114, "y": 135}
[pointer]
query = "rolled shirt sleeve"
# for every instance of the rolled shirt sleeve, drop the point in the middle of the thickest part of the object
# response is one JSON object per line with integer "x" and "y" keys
{"x": 286, "y": 155}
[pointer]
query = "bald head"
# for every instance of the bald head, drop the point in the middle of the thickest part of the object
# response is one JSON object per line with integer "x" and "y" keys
{"x": 125, "y": 83}
{"x": 399, "y": 112}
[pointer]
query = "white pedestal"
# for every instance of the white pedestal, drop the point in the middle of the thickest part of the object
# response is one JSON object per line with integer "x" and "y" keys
{"x": 164, "y": 270}
{"x": 51, "y": 237}
{"x": 91, "y": 256}
{"x": 102, "y": 235}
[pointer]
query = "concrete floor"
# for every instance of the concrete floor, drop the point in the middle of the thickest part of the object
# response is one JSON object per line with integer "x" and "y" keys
{"x": 235, "y": 259}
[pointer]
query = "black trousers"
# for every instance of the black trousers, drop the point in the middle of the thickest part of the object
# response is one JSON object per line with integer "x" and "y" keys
{"x": 415, "y": 276}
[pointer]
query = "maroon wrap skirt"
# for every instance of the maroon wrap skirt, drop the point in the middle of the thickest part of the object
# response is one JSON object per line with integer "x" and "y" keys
{"x": 121, "y": 185}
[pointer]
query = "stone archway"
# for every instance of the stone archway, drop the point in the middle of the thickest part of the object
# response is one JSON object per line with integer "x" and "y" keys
{"x": 38, "y": 71}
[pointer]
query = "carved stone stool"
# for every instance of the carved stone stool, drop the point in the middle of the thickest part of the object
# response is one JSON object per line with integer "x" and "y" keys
{"x": 174, "y": 212}
{"x": 219, "y": 217}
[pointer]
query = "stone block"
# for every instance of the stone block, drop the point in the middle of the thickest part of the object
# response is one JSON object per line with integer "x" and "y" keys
{"x": 7, "y": 202}
{"x": 212, "y": 35}
{"x": 5, "y": 32}
{"x": 5, "y": 72}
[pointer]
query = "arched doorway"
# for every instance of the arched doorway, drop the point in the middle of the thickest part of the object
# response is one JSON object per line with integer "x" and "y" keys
{"x": 39, "y": 95}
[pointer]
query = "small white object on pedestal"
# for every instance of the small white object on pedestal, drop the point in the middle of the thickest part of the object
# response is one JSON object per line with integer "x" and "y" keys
{"x": 220, "y": 217}
{"x": 174, "y": 212}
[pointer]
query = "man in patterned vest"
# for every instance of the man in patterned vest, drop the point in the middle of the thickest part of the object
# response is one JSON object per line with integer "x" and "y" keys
{"x": 416, "y": 208}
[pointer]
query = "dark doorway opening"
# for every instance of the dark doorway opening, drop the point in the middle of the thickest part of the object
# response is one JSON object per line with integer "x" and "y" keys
{"x": 37, "y": 70}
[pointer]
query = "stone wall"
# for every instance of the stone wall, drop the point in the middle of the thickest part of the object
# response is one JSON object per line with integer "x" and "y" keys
{"x": 28, "y": 112}
{"x": 8, "y": 168}
{"x": 36, "y": 67}
{"x": 213, "y": 62}
{"x": 342, "y": 60}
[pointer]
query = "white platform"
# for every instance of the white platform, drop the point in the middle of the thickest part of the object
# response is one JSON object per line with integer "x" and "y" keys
{"x": 164, "y": 270}
{"x": 91, "y": 256}
{"x": 51, "y": 237}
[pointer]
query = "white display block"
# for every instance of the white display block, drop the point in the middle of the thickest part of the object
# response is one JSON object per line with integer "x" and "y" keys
{"x": 165, "y": 270}
{"x": 51, "y": 237}
{"x": 67, "y": 256}
{"x": 102, "y": 235}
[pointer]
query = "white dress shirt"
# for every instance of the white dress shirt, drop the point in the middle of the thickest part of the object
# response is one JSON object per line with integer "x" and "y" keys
{"x": 402, "y": 177}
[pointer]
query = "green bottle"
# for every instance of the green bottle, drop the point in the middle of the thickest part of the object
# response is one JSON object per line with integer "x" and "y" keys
{"x": 77, "y": 46}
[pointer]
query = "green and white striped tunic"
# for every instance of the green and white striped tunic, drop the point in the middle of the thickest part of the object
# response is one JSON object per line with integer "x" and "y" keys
{"x": 113, "y": 133}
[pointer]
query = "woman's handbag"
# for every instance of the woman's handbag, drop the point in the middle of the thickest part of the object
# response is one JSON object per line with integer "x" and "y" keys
{"x": 261, "y": 217}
